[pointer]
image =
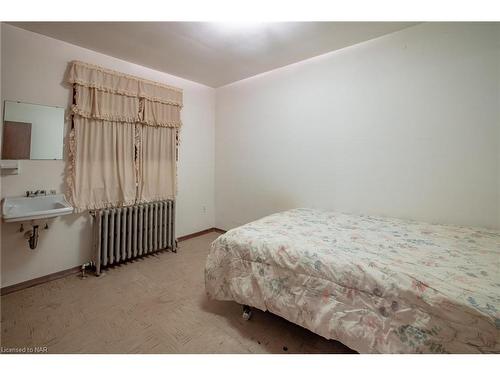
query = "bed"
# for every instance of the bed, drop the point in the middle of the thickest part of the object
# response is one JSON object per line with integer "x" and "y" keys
{"x": 378, "y": 285}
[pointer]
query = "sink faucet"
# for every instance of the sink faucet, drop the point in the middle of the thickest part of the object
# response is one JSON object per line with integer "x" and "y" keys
{"x": 35, "y": 193}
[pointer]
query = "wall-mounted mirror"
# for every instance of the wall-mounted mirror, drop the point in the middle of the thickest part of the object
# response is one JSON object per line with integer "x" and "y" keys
{"x": 32, "y": 131}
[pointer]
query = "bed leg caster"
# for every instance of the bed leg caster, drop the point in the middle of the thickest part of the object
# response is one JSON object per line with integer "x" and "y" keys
{"x": 247, "y": 312}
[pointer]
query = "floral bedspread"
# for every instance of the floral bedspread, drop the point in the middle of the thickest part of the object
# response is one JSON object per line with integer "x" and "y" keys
{"x": 378, "y": 285}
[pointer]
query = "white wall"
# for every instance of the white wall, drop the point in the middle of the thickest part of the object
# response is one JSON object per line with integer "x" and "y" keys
{"x": 406, "y": 125}
{"x": 498, "y": 109}
{"x": 33, "y": 68}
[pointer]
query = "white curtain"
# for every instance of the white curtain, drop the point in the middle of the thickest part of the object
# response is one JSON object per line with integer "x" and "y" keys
{"x": 104, "y": 164}
{"x": 123, "y": 143}
{"x": 157, "y": 180}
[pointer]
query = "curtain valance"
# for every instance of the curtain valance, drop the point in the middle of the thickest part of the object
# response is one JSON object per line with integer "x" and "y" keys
{"x": 112, "y": 96}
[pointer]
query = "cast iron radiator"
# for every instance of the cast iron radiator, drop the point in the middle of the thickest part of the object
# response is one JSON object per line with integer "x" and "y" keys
{"x": 125, "y": 233}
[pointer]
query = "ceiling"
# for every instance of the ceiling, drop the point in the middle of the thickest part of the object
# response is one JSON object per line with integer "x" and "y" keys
{"x": 214, "y": 54}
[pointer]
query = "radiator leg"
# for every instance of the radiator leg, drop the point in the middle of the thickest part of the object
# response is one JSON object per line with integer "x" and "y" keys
{"x": 247, "y": 312}
{"x": 174, "y": 248}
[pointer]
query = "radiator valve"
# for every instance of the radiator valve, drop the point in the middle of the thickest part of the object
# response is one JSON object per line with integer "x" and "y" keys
{"x": 84, "y": 267}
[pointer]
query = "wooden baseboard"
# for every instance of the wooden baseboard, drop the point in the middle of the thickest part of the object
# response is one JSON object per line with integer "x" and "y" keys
{"x": 58, "y": 275}
{"x": 39, "y": 280}
{"x": 200, "y": 233}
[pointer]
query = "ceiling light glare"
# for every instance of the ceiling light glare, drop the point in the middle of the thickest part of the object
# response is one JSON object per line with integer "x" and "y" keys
{"x": 238, "y": 26}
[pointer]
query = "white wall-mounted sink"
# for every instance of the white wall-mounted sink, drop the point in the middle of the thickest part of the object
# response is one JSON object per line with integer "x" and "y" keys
{"x": 32, "y": 208}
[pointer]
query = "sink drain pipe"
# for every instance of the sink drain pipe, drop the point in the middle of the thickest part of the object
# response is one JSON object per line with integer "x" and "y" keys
{"x": 32, "y": 237}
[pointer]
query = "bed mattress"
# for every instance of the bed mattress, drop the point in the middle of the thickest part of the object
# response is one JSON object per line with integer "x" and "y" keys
{"x": 378, "y": 285}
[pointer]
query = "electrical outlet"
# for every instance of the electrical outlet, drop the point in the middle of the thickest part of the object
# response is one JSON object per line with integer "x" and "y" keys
{"x": 204, "y": 209}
